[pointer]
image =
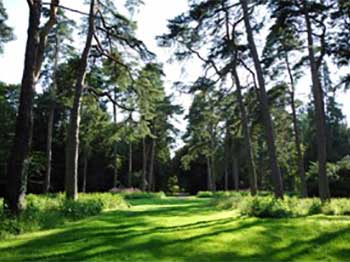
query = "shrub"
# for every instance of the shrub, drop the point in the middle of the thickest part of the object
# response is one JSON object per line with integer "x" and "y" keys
{"x": 227, "y": 202}
{"x": 52, "y": 210}
{"x": 338, "y": 207}
{"x": 205, "y": 194}
{"x": 81, "y": 208}
{"x": 143, "y": 195}
{"x": 269, "y": 206}
{"x": 264, "y": 207}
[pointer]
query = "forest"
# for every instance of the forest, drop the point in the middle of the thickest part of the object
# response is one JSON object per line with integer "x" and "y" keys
{"x": 98, "y": 150}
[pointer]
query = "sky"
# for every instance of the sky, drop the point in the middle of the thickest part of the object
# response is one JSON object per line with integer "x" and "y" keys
{"x": 152, "y": 20}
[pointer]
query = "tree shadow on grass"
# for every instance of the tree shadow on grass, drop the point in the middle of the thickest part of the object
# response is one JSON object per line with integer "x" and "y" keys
{"x": 130, "y": 236}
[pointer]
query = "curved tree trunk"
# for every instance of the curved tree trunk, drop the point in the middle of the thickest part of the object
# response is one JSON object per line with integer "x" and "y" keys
{"x": 72, "y": 147}
{"x": 18, "y": 159}
{"x": 267, "y": 121}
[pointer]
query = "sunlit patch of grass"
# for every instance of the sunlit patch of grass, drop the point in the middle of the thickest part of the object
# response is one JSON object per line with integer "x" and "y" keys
{"x": 185, "y": 229}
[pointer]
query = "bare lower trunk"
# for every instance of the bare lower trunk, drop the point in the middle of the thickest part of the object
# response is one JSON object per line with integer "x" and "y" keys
{"x": 85, "y": 173}
{"x": 226, "y": 178}
{"x": 209, "y": 176}
{"x": 144, "y": 165}
{"x": 253, "y": 182}
{"x": 320, "y": 113}
{"x": 151, "y": 168}
{"x": 300, "y": 158}
{"x": 267, "y": 121}
{"x": 226, "y": 156}
{"x": 235, "y": 171}
{"x": 18, "y": 159}
{"x": 130, "y": 166}
{"x": 72, "y": 147}
{"x": 213, "y": 174}
{"x": 49, "y": 150}
{"x": 47, "y": 182}
{"x": 115, "y": 150}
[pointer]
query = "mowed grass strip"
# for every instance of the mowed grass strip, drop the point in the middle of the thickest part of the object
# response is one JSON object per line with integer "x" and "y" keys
{"x": 184, "y": 229}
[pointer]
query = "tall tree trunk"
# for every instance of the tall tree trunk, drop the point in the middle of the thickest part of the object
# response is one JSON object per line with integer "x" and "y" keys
{"x": 115, "y": 150}
{"x": 144, "y": 164}
{"x": 226, "y": 156}
{"x": 151, "y": 168}
{"x": 85, "y": 172}
{"x": 300, "y": 158}
{"x": 226, "y": 177}
{"x": 72, "y": 147}
{"x": 235, "y": 171}
{"x": 209, "y": 176}
{"x": 319, "y": 110}
{"x": 130, "y": 166}
{"x": 47, "y": 182}
{"x": 18, "y": 159}
{"x": 270, "y": 139}
{"x": 213, "y": 173}
{"x": 253, "y": 182}
{"x": 212, "y": 155}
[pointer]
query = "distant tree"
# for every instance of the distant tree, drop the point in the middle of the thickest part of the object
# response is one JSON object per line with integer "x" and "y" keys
{"x": 281, "y": 44}
{"x": 6, "y": 32}
{"x": 58, "y": 46}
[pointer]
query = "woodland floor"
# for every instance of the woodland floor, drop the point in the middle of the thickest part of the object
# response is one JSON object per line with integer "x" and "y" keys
{"x": 175, "y": 229}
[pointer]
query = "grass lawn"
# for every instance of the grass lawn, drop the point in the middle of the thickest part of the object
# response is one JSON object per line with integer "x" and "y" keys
{"x": 176, "y": 229}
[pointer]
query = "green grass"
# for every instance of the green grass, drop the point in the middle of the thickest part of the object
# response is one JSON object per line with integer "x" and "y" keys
{"x": 184, "y": 229}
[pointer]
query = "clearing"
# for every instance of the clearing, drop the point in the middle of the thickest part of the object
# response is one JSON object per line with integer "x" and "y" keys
{"x": 185, "y": 229}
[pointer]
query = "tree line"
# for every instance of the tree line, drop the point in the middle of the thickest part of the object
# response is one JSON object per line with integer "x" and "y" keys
{"x": 229, "y": 112}
{"x": 104, "y": 119}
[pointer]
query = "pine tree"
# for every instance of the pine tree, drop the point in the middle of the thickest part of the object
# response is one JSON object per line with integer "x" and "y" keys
{"x": 34, "y": 56}
{"x": 6, "y": 32}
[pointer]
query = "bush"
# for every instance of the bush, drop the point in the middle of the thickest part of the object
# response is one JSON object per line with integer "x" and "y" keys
{"x": 81, "y": 208}
{"x": 205, "y": 194}
{"x": 269, "y": 206}
{"x": 144, "y": 195}
{"x": 52, "y": 210}
{"x": 135, "y": 193}
{"x": 264, "y": 207}
{"x": 338, "y": 207}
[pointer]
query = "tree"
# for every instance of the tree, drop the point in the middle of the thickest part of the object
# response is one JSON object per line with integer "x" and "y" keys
{"x": 150, "y": 92}
{"x": 275, "y": 171}
{"x": 58, "y": 45}
{"x": 72, "y": 152}
{"x": 34, "y": 55}
{"x": 281, "y": 43}
{"x": 6, "y": 32}
{"x": 203, "y": 128}
{"x": 214, "y": 23}
{"x": 339, "y": 46}
{"x": 310, "y": 10}
{"x": 115, "y": 30}
{"x": 8, "y": 106}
